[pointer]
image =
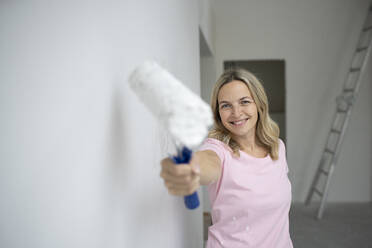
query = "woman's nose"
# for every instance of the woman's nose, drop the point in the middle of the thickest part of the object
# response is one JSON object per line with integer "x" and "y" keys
{"x": 236, "y": 111}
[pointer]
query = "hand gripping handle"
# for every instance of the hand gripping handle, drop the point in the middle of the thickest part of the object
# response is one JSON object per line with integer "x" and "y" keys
{"x": 184, "y": 157}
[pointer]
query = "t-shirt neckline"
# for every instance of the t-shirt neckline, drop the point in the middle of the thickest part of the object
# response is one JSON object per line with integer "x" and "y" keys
{"x": 251, "y": 156}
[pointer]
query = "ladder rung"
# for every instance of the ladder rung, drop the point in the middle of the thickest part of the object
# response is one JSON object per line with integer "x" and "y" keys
{"x": 361, "y": 49}
{"x": 349, "y": 89}
{"x": 335, "y": 130}
{"x": 341, "y": 111}
{"x": 354, "y": 69}
{"x": 318, "y": 191}
{"x": 367, "y": 28}
{"x": 324, "y": 172}
{"x": 329, "y": 151}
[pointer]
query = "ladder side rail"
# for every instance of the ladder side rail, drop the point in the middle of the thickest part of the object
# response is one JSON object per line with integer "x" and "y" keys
{"x": 369, "y": 12}
{"x": 320, "y": 164}
{"x": 342, "y": 135}
{"x": 364, "y": 65}
{"x": 314, "y": 182}
{"x": 333, "y": 163}
{"x": 325, "y": 194}
{"x": 350, "y": 106}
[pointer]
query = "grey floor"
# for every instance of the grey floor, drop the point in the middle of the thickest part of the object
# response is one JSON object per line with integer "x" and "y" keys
{"x": 343, "y": 225}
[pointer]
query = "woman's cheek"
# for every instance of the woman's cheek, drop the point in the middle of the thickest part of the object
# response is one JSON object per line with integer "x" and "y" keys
{"x": 224, "y": 116}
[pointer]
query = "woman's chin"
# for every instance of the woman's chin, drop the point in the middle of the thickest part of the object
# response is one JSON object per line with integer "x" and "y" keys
{"x": 241, "y": 132}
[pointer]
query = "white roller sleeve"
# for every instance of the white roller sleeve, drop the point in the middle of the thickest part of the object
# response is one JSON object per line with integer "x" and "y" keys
{"x": 183, "y": 113}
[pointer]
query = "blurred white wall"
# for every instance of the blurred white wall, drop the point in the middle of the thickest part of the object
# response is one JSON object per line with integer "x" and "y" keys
{"x": 207, "y": 21}
{"x": 79, "y": 154}
{"x": 316, "y": 39}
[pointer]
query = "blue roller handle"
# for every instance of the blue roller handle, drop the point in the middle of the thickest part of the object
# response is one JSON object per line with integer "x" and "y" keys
{"x": 184, "y": 157}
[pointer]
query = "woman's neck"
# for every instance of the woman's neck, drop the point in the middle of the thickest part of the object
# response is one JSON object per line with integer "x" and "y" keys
{"x": 248, "y": 143}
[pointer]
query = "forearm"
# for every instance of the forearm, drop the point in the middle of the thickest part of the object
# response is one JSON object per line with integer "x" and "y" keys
{"x": 210, "y": 166}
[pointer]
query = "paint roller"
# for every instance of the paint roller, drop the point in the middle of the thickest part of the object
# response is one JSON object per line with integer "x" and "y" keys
{"x": 183, "y": 113}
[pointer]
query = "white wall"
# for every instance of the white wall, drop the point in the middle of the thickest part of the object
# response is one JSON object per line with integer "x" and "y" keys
{"x": 207, "y": 22}
{"x": 316, "y": 39}
{"x": 79, "y": 154}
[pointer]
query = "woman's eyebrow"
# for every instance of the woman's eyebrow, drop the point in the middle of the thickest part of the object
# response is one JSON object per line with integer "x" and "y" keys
{"x": 244, "y": 97}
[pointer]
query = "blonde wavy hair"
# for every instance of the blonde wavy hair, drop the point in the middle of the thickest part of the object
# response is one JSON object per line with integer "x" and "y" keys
{"x": 267, "y": 131}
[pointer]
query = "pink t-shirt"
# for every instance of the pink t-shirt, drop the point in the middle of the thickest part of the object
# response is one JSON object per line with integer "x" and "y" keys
{"x": 250, "y": 202}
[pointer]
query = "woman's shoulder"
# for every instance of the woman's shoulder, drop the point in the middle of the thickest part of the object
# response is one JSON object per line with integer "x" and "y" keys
{"x": 283, "y": 154}
{"x": 215, "y": 142}
{"x": 281, "y": 144}
{"x": 282, "y": 150}
{"x": 220, "y": 148}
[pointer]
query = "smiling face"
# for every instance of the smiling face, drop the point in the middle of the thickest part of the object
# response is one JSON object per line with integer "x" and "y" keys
{"x": 237, "y": 109}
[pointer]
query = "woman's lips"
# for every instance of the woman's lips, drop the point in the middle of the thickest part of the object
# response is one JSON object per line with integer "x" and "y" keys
{"x": 239, "y": 122}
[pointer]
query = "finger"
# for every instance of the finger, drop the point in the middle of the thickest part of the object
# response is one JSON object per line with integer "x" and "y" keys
{"x": 184, "y": 187}
{"x": 195, "y": 166}
{"x": 166, "y": 163}
{"x": 168, "y": 185}
{"x": 184, "y": 191}
{"x": 168, "y": 178}
{"x": 178, "y": 180}
{"x": 174, "y": 192}
{"x": 179, "y": 170}
{"x": 176, "y": 169}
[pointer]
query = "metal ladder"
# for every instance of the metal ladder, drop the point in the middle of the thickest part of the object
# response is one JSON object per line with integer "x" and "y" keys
{"x": 345, "y": 101}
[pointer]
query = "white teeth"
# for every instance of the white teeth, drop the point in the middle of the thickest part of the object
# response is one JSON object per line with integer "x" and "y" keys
{"x": 239, "y": 122}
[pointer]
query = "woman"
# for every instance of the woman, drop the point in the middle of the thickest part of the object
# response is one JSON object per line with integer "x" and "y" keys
{"x": 243, "y": 163}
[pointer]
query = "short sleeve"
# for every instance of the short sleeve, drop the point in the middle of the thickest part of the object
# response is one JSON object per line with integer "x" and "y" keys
{"x": 214, "y": 145}
{"x": 283, "y": 153}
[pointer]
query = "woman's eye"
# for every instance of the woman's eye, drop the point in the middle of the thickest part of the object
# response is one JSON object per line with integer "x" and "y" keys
{"x": 245, "y": 102}
{"x": 225, "y": 106}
